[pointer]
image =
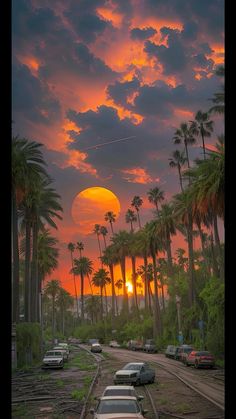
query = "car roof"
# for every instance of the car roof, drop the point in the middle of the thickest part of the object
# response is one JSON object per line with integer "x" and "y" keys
{"x": 136, "y": 363}
{"x": 118, "y": 398}
{"x": 119, "y": 387}
{"x": 96, "y": 344}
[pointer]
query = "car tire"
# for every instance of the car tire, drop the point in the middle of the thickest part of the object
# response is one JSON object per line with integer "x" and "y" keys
{"x": 138, "y": 382}
{"x": 187, "y": 364}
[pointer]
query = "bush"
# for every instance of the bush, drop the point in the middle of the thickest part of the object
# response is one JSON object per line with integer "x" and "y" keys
{"x": 28, "y": 344}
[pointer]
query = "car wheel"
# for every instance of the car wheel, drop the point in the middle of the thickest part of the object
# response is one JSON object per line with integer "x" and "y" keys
{"x": 138, "y": 382}
{"x": 152, "y": 380}
{"x": 187, "y": 364}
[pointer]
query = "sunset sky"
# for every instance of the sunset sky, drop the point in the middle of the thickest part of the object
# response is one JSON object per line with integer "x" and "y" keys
{"x": 85, "y": 72}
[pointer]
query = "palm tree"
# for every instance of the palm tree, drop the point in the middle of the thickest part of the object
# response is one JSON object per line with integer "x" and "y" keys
{"x": 130, "y": 217}
{"x": 184, "y": 135}
{"x": 42, "y": 206}
{"x": 96, "y": 230}
{"x": 71, "y": 248}
{"x": 64, "y": 301}
{"x": 155, "y": 195}
{"x": 155, "y": 246}
{"x": 27, "y": 169}
{"x": 111, "y": 218}
{"x": 137, "y": 203}
{"x": 202, "y": 126}
{"x": 178, "y": 160}
{"x": 52, "y": 289}
{"x": 108, "y": 259}
{"x": 83, "y": 267}
{"x": 121, "y": 242}
{"x": 143, "y": 250}
{"x": 101, "y": 279}
{"x": 80, "y": 247}
{"x": 92, "y": 308}
{"x": 146, "y": 273}
{"x": 104, "y": 232}
{"x": 219, "y": 97}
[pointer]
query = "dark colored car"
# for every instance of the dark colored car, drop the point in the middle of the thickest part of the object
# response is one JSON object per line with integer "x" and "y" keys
{"x": 96, "y": 347}
{"x": 150, "y": 346}
{"x": 171, "y": 351}
{"x": 135, "y": 373}
{"x": 135, "y": 345}
{"x": 183, "y": 352}
{"x": 200, "y": 359}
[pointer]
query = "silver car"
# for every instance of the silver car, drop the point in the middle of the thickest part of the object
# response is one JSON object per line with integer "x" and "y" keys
{"x": 120, "y": 407}
{"x": 123, "y": 390}
{"x": 53, "y": 359}
{"x": 135, "y": 373}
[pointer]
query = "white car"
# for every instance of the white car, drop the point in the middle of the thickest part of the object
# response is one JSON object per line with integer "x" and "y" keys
{"x": 121, "y": 391}
{"x": 135, "y": 373}
{"x": 114, "y": 344}
{"x": 64, "y": 346}
{"x": 53, "y": 359}
{"x": 96, "y": 347}
{"x": 63, "y": 351}
{"x": 119, "y": 407}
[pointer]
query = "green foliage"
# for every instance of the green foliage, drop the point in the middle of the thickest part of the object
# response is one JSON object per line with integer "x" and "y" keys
{"x": 28, "y": 341}
{"x": 213, "y": 297}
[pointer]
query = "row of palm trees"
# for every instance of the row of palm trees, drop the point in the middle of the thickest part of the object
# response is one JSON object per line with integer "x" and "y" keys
{"x": 35, "y": 205}
{"x": 199, "y": 204}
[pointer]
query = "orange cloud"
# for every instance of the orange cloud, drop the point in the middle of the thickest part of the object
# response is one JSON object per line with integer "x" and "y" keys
{"x": 137, "y": 175}
{"x": 109, "y": 13}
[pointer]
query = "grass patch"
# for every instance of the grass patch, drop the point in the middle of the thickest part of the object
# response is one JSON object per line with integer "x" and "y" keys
{"x": 163, "y": 401}
{"x": 182, "y": 408}
{"x": 83, "y": 361}
{"x": 220, "y": 363}
{"x": 79, "y": 394}
{"x": 60, "y": 383}
{"x": 19, "y": 411}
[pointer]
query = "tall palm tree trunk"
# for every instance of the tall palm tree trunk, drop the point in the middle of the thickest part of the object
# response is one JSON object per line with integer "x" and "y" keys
{"x": 218, "y": 246}
{"x": 82, "y": 296}
{"x": 198, "y": 223}
{"x": 191, "y": 259}
{"x": 138, "y": 220}
{"x": 180, "y": 178}
{"x": 125, "y": 295}
{"x": 113, "y": 292}
{"x": 76, "y": 295}
{"x": 203, "y": 145}
{"x": 34, "y": 275}
{"x": 53, "y": 318}
{"x": 15, "y": 270}
{"x": 134, "y": 275}
{"x": 101, "y": 297}
{"x": 27, "y": 290}
{"x": 157, "y": 326}
{"x": 145, "y": 263}
{"x": 186, "y": 151}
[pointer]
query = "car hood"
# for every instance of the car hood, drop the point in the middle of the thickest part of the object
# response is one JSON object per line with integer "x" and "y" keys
{"x": 126, "y": 372}
{"x": 118, "y": 416}
{"x": 46, "y": 358}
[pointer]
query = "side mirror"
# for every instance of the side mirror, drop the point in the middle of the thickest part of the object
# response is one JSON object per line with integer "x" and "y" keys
{"x": 140, "y": 398}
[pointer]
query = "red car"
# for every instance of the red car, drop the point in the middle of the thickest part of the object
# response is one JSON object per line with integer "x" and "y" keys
{"x": 200, "y": 359}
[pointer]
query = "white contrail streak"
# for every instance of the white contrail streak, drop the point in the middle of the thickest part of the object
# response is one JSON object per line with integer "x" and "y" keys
{"x": 108, "y": 142}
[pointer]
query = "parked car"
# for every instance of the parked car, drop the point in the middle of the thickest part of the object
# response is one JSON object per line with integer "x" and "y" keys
{"x": 135, "y": 373}
{"x": 135, "y": 345}
{"x": 53, "y": 359}
{"x": 171, "y": 351}
{"x": 150, "y": 346}
{"x": 183, "y": 352}
{"x": 64, "y": 346}
{"x": 63, "y": 351}
{"x": 200, "y": 359}
{"x": 96, "y": 347}
{"x": 119, "y": 407}
{"x": 114, "y": 344}
{"x": 121, "y": 391}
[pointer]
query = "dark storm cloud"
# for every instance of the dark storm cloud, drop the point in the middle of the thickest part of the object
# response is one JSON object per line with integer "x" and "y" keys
{"x": 207, "y": 14}
{"x": 32, "y": 97}
{"x": 190, "y": 31}
{"x": 142, "y": 34}
{"x": 87, "y": 26}
{"x": 120, "y": 91}
{"x": 201, "y": 60}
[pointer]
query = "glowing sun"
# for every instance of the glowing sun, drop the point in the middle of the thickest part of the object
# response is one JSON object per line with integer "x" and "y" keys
{"x": 90, "y": 206}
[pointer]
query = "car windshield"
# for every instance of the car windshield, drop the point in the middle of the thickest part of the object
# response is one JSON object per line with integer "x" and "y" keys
{"x": 203, "y": 353}
{"x": 187, "y": 350}
{"x": 134, "y": 367}
{"x": 118, "y": 406}
{"x": 119, "y": 392}
{"x": 53, "y": 354}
